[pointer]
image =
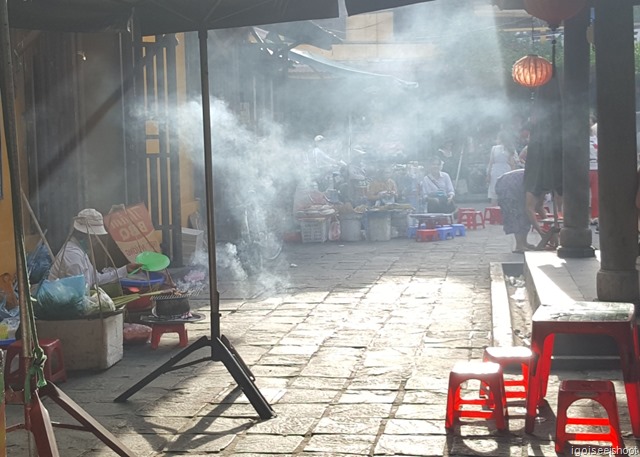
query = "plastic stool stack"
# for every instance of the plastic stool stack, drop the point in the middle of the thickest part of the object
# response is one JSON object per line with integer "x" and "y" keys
{"x": 54, "y": 369}
{"x": 471, "y": 219}
{"x": 493, "y": 215}
{"x": 494, "y": 407}
{"x": 602, "y": 392}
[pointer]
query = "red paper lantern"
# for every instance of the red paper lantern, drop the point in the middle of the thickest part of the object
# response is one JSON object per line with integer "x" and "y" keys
{"x": 554, "y": 11}
{"x": 532, "y": 71}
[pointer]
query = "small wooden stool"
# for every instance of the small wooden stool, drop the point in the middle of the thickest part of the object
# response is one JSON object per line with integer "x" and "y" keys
{"x": 157, "y": 330}
{"x": 54, "y": 369}
{"x": 486, "y": 372}
{"x": 601, "y": 391}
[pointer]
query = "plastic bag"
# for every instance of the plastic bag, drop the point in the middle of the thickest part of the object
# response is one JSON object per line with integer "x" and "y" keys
{"x": 38, "y": 263}
{"x": 7, "y": 312}
{"x": 93, "y": 306}
{"x": 61, "y": 299}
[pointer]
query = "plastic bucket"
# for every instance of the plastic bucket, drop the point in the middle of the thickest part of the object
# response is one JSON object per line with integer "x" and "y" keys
{"x": 350, "y": 228}
{"x": 379, "y": 226}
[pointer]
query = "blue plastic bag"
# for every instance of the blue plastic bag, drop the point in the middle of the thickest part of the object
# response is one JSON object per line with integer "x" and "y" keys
{"x": 38, "y": 263}
{"x": 61, "y": 299}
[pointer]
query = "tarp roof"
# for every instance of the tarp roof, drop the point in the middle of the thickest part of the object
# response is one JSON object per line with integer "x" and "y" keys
{"x": 156, "y": 17}
{"x": 314, "y": 60}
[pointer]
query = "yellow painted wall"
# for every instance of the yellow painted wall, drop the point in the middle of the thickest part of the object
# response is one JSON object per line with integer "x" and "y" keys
{"x": 7, "y": 243}
{"x": 187, "y": 190}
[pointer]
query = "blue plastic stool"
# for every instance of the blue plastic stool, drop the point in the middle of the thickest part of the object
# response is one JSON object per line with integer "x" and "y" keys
{"x": 445, "y": 232}
{"x": 459, "y": 229}
{"x": 411, "y": 232}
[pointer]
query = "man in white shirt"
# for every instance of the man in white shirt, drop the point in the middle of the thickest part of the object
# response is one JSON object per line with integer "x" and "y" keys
{"x": 73, "y": 259}
{"x": 437, "y": 188}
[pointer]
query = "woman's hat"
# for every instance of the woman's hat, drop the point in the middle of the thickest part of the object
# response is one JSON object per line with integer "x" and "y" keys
{"x": 89, "y": 221}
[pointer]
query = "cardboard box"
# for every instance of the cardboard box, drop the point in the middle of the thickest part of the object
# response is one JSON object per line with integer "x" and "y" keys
{"x": 87, "y": 344}
{"x": 192, "y": 242}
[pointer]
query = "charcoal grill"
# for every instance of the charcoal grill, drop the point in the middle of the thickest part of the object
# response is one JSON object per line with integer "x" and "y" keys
{"x": 175, "y": 303}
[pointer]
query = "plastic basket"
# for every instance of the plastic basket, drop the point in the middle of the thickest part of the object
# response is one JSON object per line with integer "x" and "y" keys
{"x": 314, "y": 230}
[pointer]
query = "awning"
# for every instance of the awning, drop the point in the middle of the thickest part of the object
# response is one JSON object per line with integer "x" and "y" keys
{"x": 322, "y": 63}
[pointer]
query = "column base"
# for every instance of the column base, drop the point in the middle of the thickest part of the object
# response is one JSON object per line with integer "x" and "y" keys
{"x": 567, "y": 252}
{"x": 618, "y": 285}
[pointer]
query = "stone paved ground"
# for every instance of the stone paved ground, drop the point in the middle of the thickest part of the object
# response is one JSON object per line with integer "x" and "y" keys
{"x": 350, "y": 343}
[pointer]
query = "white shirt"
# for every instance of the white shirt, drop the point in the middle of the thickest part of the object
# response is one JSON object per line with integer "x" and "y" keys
{"x": 593, "y": 152}
{"x": 442, "y": 183}
{"x": 72, "y": 260}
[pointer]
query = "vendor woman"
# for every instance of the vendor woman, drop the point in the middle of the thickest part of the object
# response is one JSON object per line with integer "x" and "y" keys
{"x": 73, "y": 259}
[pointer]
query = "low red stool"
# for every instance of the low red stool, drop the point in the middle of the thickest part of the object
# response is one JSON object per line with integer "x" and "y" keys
{"x": 426, "y": 235}
{"x": 488, "y": 373}
{"x": 601, "y": 391}
{"x": 54, "y": 369}
{"x": 160, "y": 329}
{"x": 462, "y": 211}
{"x": 472, "y": 219}
{"x": 493, "y": 215}
{"x": 509, "y": 356}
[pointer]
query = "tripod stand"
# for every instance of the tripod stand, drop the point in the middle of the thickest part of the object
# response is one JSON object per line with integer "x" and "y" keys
{"x": 219, "y": 346}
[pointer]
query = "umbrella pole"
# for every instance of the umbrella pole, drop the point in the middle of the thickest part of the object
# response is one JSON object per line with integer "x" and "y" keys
{"x": 220, "y": 347}
{"x": 36, "y": 417}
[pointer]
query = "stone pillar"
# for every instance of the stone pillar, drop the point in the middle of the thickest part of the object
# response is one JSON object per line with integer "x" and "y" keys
{"x": 617, "y": 279}
{"x": 575, "y": 235}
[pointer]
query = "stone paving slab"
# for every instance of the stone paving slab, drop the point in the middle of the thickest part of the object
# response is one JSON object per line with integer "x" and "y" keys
{"x": 352, "y": 345}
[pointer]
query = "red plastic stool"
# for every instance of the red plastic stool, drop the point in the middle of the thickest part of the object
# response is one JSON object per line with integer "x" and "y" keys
{"x": 160, "y": 329}
{"x": 472, "y": 219}
{"x": 601, "y": 391}
{"x": 496, "y": 404}
{"x": 426, "y": 235}
{"x": 493, "y": 215}
{"x": 509, "y": 356}
{"x": 462, "y": 211}
{"x": 54, "y": 369}
{"x": 614, "y": 319}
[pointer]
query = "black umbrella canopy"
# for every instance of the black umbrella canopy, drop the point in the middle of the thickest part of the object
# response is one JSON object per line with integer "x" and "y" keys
{"x": 368, "y": 6}
{"x": 157, "y": 17}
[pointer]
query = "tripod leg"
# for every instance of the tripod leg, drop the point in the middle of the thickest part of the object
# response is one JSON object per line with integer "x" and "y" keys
{"x": 41, "y": 428}
{"x": 235, "y": 354}
{"x": 260, "y": 404}
{"x": 89, "y": 423}
{"x": 200, "y": 343}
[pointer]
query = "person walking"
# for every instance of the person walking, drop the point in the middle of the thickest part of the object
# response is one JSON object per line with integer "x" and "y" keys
{"x": 502, "y": 159}
{"x": 593, "y": 170}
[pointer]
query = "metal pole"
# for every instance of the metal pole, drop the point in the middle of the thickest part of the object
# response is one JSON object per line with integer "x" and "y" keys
{"x": 208, "y": 180}
{"x": 7, "y": 93}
